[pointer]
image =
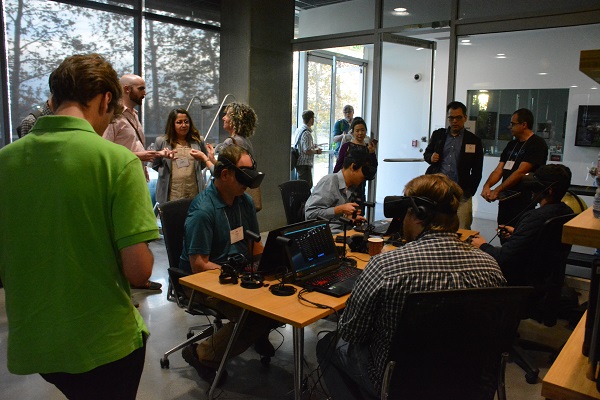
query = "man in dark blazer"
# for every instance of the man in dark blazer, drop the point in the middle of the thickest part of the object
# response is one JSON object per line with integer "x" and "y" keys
{"x": 458, "y": 154}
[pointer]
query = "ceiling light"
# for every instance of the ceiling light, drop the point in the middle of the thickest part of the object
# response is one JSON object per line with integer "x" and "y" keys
{"x": 465, "y": 40}
{"x": 542, "y": 73}
{"x": 594, "y": 88}
{"x": 400, "y": 9}
{"x": 574, "y": 86}
{"x": 419, "y": 48}
{"x": 500, "y": 54}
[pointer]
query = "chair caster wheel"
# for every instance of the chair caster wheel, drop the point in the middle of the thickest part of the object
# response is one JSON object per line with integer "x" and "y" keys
{"x": 164, "y": 363}
{"x": 531, "y": 378}
{"x": 189, "y": 335}
{"x": 265, "y": 361}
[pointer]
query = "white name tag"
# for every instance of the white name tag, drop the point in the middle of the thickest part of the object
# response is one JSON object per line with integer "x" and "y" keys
{"x": 182, "y": 162}
{"x": 236, "y": 235}
{"x": 509, "y": 165}
{"x": 469, "y": 148}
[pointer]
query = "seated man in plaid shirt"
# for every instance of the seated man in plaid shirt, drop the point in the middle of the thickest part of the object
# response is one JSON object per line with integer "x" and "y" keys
{"x": 353, "y": 359}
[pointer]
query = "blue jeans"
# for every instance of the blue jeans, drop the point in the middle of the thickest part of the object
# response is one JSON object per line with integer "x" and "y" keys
{"x": 344, "y": 368}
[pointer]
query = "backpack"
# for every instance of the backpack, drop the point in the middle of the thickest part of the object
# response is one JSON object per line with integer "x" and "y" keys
{"x": 295, "y": 153}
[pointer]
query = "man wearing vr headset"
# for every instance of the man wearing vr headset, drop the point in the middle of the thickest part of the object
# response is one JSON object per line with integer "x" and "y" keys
{"x": 214, "y": 230}
{"x": 434, "y": 259}
{"x": 333, "y": 196}
{"x": 516, "y": 256}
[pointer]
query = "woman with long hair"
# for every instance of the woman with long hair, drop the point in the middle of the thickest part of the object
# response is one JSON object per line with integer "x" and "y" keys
{"x": 181, "y": 177}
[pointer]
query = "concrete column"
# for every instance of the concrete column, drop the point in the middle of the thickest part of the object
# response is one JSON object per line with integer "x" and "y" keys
{"x": 256, "y": 67}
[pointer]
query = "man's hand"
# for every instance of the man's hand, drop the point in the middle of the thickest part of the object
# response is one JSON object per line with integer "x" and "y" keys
{"x": 345, "y": 209}
{"x": 505, "y": 231}
{"x": 198, "y": 155}
{"x": 211, "y": 153}
{"x": 435, "y": 157}
{"x": 486, "y": 193}
{"x": 477, "y": 240}
{"x": 166, "y": 153}
{"x": 148, "y": 155}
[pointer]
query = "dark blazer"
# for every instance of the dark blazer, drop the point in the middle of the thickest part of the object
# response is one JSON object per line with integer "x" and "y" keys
{"x": 470, "y": 165}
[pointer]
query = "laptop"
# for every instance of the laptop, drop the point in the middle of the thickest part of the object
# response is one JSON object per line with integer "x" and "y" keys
{"x": 383, "y": 227}
{"x": 274, "y": 259}
{"x": 314, "y": 259}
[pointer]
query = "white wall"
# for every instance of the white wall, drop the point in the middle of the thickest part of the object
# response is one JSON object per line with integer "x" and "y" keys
{"x": 347, "y": 16}
{"x": 554, "y": 51}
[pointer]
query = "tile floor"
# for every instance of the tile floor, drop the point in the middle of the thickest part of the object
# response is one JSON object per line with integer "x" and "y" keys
{"x": 248, "y": 379}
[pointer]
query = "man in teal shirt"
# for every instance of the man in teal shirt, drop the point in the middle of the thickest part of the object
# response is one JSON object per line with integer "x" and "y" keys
{"x": 73, "y": 238}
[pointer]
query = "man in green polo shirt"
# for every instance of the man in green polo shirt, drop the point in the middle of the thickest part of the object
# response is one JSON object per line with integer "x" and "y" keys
{"x": 74, "y": 237}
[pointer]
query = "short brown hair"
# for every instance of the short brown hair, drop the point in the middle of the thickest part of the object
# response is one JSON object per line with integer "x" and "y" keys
{"x": 228, "y": 157}
{"x": 82, "y": 77}
{"x": 442, "y": 191}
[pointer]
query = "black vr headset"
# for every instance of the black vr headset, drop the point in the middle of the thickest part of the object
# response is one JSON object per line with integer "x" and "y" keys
{"x": 397, "y": 206}
{"x": 247, "y": 176}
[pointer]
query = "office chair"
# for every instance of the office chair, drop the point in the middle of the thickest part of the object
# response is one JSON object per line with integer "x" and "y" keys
{"x": 452, "y": 344}
{"x": 294, "y": 195}
{"x": 173, "y": 215}
{"x": 549, "y": 260}
{"x": 172, "y": 218}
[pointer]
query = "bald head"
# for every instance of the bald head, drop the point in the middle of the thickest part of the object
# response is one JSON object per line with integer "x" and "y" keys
{"x": 134, "y": 90}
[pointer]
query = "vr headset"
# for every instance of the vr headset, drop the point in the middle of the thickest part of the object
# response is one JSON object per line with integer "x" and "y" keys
{"x": 247, "y": 176}
{"x": 397, "y": 206}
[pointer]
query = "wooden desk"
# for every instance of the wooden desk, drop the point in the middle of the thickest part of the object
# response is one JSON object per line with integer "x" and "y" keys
{"x": 566, "y": 379}
{"x": 288, "y": 310}
{"x": 583, "y": 230}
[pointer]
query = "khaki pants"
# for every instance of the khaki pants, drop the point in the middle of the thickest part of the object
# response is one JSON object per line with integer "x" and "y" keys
{"x": 465, "y": 213}
{"x": 211, "y": 351}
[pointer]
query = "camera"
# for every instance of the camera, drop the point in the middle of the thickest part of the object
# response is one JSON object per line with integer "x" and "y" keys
{"x": 417, "y": 77}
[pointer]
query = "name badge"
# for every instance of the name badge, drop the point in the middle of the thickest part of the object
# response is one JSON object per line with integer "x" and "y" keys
{"x": 469, "y": 148}
{"x": 236, "y": 235}
{"x": 182, "y": 162}
{"x": 509, "y": 165}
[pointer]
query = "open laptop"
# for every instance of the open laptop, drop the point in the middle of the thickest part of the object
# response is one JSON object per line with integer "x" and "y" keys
{"x": 274, "y": 259}
{"x": 383, "y": 227}
{"x": 314, "y": 259}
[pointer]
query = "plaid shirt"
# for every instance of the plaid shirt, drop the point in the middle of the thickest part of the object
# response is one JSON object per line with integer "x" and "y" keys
{"x": 434, "y": 261}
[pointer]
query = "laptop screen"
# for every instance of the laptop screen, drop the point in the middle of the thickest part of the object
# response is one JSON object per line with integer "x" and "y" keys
{"x": 274, "y": 259}
{"x": 312, "y": 247}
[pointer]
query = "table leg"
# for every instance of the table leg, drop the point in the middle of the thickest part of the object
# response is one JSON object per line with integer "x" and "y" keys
{"x": 232, "y": 339}
{"x": 298, "y": 334}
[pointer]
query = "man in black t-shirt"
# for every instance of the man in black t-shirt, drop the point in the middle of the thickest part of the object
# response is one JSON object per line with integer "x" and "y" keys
{"x": 524, "y": 154}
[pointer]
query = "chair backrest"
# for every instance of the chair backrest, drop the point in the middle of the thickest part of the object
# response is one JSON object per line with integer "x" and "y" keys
{"x": 575, "y": 202}
{"x": 294, "y": 195}
{"x": 449, "y": 344}
{"x": 548, "y": 265}
{"x": 172, "y": 216}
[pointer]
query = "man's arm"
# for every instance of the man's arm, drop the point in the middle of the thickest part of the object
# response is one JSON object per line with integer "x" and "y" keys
{"x": 494, "y": 178}
{"x": 137, "y": 263}
{"x": 201, "y": 263}
{"x": 514, "y": 179}
{"x": 430, "y": 149}
{"x": 476, "y": 167}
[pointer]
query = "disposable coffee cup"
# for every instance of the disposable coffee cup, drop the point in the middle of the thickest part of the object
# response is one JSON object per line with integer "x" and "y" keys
{"x": 375, "y": 245}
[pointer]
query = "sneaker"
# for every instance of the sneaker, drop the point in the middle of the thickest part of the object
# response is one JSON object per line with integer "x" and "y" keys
{"x": 149, "y": 285}
{"x": 206, "y": 373}
{"x": 263, "y": 347}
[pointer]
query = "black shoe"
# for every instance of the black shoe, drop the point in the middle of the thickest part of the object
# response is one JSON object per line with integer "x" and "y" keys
{"x": 206, "y": 373}
{"x": 263, "y": 347}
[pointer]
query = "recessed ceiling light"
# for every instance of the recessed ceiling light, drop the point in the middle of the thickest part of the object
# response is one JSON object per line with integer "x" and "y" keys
{"x": 400, "y": 9}
{"x": 542, "y": 73}
{"x": 483, "y": 91}
{"x": 500, "y": 54}
{"x": 465, "y": 40}
{"x": 419, "y": 48}
{"x": 594, "y": 88}
{"x": 574, "y": 86}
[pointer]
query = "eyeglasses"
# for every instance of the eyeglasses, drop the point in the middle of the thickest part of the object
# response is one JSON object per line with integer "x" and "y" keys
{"x": 186, "y": 122}
{"x": 511, "y": 124}
{"x": 457, "y": 118}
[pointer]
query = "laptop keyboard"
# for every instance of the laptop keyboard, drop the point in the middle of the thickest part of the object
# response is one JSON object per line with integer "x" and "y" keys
{"x": 332, "y": 277}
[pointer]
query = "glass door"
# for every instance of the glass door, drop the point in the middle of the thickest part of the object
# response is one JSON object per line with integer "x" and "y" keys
{"x": 328, "y": 80}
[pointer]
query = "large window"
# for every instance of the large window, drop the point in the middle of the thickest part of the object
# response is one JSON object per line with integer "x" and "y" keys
{"x": 180, "y": 65}
{"x": 180, "y": 57}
